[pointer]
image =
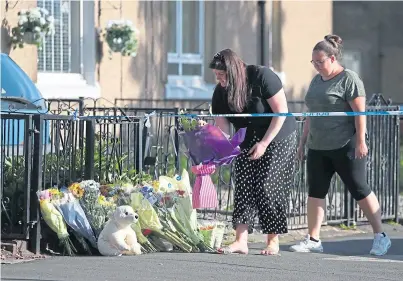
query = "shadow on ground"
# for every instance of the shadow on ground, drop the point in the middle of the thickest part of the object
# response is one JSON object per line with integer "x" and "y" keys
{"x": 357, "y": 247}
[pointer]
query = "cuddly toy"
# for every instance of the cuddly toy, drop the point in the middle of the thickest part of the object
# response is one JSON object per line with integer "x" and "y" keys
{"x": 118, "y": 238}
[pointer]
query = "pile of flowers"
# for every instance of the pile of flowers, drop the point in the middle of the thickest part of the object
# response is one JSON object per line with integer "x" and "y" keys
{"x": 167, "y": 219}
{"x": 33, "y": 25}
{"x": 122, "y": 37}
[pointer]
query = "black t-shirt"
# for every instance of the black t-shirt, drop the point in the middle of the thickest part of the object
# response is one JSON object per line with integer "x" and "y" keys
{"x": 264, "y": 84}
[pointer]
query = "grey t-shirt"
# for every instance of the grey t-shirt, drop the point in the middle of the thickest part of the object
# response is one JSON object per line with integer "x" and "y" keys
{"x": 333, "y": 132}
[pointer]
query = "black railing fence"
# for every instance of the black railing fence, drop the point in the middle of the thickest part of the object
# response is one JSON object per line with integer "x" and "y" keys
{"x": 119, "y": 141}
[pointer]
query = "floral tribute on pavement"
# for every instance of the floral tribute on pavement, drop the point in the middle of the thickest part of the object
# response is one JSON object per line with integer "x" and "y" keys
{"x": 167, "y": 220}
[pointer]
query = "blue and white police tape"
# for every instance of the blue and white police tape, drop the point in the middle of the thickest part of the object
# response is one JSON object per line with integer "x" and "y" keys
{"x": 289, "y": 114}
{"x": 303, "y": 114}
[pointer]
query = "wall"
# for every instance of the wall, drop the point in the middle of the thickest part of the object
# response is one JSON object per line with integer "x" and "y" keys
{"x": 374, "y": 30}
{"x": 237, "y": 30}
{"x": 293, "y": 36}
{"x": 300, "y": 25}
{"x": 26, "y": 57}
{"x": 144, "y": 75}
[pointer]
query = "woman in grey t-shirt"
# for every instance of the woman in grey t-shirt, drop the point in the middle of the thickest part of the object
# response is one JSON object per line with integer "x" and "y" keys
{"x": 336, "y": 144}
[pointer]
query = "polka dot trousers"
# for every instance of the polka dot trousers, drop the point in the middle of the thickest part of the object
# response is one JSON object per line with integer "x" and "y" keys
{"x": 262, "y": 186}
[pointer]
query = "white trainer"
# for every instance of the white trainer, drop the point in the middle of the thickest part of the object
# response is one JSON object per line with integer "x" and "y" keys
{"x": 307, "y": 246}
{"x": 381, "y": 244}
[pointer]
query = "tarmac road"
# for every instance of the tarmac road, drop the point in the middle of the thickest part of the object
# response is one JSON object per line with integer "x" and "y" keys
{"x": 345, "y": 258}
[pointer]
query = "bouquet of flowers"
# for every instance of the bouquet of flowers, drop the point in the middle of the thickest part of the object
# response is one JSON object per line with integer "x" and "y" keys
{"x": 213, "y": 233}
{"x": 154, "y": 220}
{"x": 95, "y": 206}
{"x": 54, "y": 218}
{"x": 183, "y": 214}
{"x": 75, "y": 217}
{"x": 33, "y": 25}
{"x": 208, "y": 147}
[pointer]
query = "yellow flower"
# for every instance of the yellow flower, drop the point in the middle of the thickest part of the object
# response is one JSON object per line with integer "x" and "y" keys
{"x": 101, "y": 199}
{"x": 76, "y": 190}
{"x": 54, "y": 193}
{"x": 156, "y": 185}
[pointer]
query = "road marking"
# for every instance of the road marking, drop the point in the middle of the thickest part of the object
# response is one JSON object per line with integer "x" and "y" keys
{"x": 364, "y": 259}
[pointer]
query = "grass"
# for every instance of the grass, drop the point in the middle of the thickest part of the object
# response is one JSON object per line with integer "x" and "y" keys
{"x": 345, "y": 227}
{"x": 392, "y": 222}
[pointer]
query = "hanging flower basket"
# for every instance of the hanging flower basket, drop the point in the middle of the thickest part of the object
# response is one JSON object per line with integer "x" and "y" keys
{"x": 33, "y": 25}
{"x": 122, "y": 37}
{"x": 29, "y": 38}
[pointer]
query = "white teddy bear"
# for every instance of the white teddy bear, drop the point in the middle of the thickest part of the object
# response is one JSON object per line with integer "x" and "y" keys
{"x": 118, "y": 238}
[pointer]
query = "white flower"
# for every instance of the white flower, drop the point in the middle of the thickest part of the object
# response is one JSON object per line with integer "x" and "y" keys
{"x": 110, "y": 23}
{"x": 42, "y": 21}
{"x": 115, "y": 40}
{"x": 119, "y": 40}
{"x": 45, "y": 11}
{"x": 23, "y": 12}
{"x": 51, "y": 19}
{"x": 37, "y": 29}
{"x": 35, "y": 14}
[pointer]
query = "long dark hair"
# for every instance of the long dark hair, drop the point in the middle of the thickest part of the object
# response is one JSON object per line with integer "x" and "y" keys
{"x": 237, "y": 82}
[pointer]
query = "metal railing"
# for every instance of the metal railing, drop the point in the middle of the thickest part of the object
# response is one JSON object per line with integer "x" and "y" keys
{"x": 112, "y": 143}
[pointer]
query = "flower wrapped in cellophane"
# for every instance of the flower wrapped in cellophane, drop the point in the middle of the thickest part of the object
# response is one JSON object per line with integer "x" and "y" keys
{"x": 75, "y": 217}
{"x": 54, "y": 219}
{"x": 207, "y": 147}
{"x": 120, "y": 192}
{"x": 213, "y": 232}
{"x": 154, "y": 220}
{"x": 95, "y": 207}
{"x": 182, "y": 212}
{"x": 147, "y": 246}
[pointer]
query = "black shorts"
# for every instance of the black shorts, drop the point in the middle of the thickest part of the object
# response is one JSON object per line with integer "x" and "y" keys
{"x": 322, "y": 164}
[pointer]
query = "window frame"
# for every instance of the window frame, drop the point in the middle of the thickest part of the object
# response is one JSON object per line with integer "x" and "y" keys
{"x": 80, "y": 81}
{"x": 179, "y": 57}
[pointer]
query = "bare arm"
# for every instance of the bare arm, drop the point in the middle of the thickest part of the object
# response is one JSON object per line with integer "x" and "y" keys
{"x": 358, "y": 105}
{"x": 278, "y": 104}
{"x": 305, "y": 133}
{"x": 223, "y": 124}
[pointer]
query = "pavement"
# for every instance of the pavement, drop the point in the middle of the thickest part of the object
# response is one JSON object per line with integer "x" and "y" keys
{"x": 345, "y": 258}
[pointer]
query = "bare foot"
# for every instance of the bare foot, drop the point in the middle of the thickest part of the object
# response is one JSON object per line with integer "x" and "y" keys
{"x": 270, "y": 251}
{"x": 235, "y": 248}
{"x": 272, "y": 248}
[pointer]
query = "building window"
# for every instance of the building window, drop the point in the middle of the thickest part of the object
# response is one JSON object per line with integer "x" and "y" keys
{"x": 67, "y": 60}
{"x": 186, "y": 38}
{"x": 56, "y": 53}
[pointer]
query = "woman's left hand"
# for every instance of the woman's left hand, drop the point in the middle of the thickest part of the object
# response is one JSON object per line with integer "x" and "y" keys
{"x": 361, "y": 150}
{"x": 257, "y": 151}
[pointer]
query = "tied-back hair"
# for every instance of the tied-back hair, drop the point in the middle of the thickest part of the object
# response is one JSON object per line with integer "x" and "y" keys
{"x": 332, "y": 45}
{"x": 237, "y": 82}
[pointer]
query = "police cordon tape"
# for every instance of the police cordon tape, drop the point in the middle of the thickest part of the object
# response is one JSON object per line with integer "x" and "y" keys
{"x": 289, "y": 114}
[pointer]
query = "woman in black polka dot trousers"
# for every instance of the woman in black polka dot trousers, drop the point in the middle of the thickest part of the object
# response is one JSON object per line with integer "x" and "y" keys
{"x": 264, "y": 169}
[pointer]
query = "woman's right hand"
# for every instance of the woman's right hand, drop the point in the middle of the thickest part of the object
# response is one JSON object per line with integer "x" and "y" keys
{"x": 301, "y": 152}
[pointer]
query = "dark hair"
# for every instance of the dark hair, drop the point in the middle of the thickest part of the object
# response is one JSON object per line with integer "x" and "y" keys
{"x": 332, "y": 45}
{"x": 237, "y": 88}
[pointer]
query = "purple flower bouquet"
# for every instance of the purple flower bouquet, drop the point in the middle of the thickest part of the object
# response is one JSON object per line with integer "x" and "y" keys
{"x": 208, "y": 147}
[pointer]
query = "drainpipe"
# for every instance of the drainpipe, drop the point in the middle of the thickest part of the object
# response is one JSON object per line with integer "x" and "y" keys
{"x": 271, "y": 21}
{"x": 262, "y": 31}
